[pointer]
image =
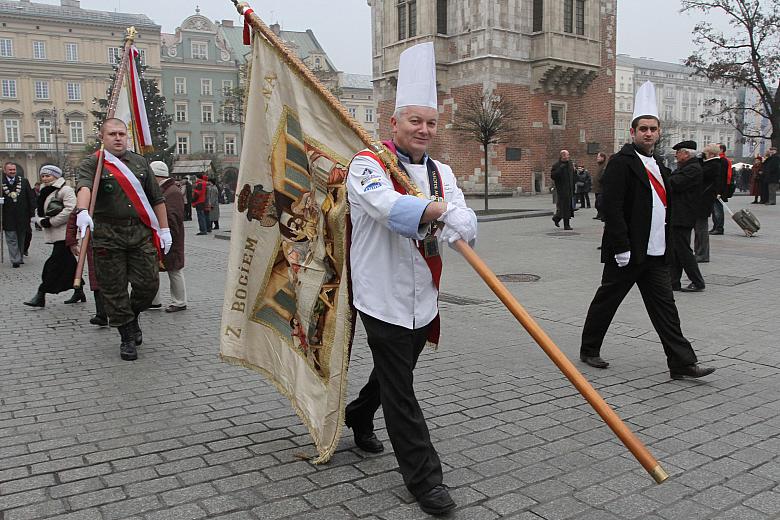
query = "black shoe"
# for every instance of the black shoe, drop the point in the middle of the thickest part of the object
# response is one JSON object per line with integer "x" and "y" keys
{"x": 693, "y": 371}
{"x": 127, "y": 350}
{"x": 567, "y": 228}
{"x": 200, "y": 233}
{"x": 155, "y": 306}
{"x": 716, "y": 232}
{"x": 367, "y": 441}
{"x": 702, "y": 260}
{"x": 436, "y": 501}
{"x": 692, "y": 288}
{"x": 15, "y": 265}
{"x": 594, "y": 361}
{"x": 39, "y": 300}
{"x": 78, "y": 296}
{"x": 676, "y": 288}
{"x": 99, "y": 320}
{"x": 135, "y": 329}
{"x": 175, "y": 308}
{"x": 556, "y": 221}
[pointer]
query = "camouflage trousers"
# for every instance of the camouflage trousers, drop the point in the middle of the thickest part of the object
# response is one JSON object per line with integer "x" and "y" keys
{"x": 124, "y": 254}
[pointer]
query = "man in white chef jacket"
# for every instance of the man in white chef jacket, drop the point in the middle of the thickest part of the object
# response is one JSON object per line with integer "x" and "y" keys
{"x": 396, "y": 268}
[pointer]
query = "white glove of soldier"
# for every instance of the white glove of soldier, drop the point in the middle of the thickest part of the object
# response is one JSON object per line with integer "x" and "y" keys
{"x": 166, "y": 240}
{"x": 622, "y": 259}
{"x": 83, "y": 221}
{"x": 459, "y": 223}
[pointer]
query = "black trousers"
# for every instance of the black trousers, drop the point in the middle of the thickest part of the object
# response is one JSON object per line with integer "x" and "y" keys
{"x": 683, "y": 259}
{"x": 395, "y": 351}
{"x": 652, "y": 278}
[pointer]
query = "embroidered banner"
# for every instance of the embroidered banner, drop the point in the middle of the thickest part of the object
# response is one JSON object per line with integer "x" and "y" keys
{"x": 287, "y": 311}
{"x": 131, "y": 108}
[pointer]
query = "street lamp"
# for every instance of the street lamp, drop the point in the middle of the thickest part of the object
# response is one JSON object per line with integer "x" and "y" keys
{"x": 55, "y": 129}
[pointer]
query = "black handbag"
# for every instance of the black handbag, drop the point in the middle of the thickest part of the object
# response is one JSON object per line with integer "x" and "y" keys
{"x": 55, "y": 207}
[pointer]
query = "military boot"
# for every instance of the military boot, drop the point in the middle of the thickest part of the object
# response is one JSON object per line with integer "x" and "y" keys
{"x": 138, "y": 336}
{"x": 127, "y": 350}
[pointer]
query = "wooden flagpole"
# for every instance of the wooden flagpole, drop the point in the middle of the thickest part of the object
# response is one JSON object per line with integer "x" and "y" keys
{"x": 120, "y": 78}
{"x": 561, "y": 361}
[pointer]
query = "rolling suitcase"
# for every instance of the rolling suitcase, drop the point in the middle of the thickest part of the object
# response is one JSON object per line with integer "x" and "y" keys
{"x": 744, "y": 219}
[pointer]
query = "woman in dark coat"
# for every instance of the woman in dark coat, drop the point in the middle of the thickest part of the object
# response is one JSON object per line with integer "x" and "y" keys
{"x": 755, "y": 179}
{"x": 562, "y": 174}
{"x": 174, "y": 260}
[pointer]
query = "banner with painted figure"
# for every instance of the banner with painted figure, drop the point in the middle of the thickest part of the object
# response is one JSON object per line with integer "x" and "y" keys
{"x": 287, "y": 310}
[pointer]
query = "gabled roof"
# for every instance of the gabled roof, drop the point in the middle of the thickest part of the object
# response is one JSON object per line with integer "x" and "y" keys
{"x": 356, "y": 81}
{"x": 75, "y": 14}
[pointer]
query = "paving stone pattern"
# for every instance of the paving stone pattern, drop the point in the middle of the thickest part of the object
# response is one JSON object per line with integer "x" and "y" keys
{"x": 179, "y": 435}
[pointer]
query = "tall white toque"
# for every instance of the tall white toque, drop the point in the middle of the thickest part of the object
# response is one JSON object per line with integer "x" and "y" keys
{"x": 417, "y": 77}
{"x": 645, "y": 103}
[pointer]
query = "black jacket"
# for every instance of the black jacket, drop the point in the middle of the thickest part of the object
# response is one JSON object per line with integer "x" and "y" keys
{"x": 722, "y": 186}
{"x": 771, "y": 169}
{"x": 562, "y": 174}
{"x": 685, "y": 183}
{"x": 18, "y": 211}
{"x": 709, "y": 180}
{"x": 627, "y": 205}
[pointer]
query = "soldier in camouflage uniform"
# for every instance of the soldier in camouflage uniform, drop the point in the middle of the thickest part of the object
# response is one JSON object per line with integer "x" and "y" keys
{"x": 123, "y": 247}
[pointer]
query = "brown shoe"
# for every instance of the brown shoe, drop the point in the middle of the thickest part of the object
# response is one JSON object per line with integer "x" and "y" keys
{"x": 693, "y": 371}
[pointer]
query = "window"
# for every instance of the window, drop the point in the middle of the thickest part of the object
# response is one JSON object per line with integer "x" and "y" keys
{"x": 317, "y": 63}
{"x": 76, "y": 132}
{"x": 230, "y": 145}
{"x": 199, "y": 50}
{"x": 179, "y": 85}
{"x": 41, "y": 90}
{"x": 142, "y": 56}
{"x": 6, "y": 48}
{"x": 205, "y": 87}
{"x": 71, "y": 52}
{"x": 74, "y": 91}
{"x": 580, "y": 17}
{"x": 227, "y": 87}
{"x": 407, "y": 19}
{"x": 44, "y": 130}
{"x": 707, "y": 139}
{"x": 181, "y": 112}
{"x": 209, "y": 144}
{"x": 538, "y": 15}
{"x": 568, "y": 16}
{"x": 207, "y": 113}
{"x": 39, "y": 50}
{"x": 11, "y": 130}
{"x": 669, "y": 92}
{"x": 228, "y": 114}
{"x": 182, "y": 144}
{"x": 668, "y": 112}
{"x": 352, "y": 112}
{"x": 8, "y": 88}
{"x": 369, "y": 115}
{"x": 114, "y": 55}
{"x": 441, "y": 16}
{"x": 557, "y": 115}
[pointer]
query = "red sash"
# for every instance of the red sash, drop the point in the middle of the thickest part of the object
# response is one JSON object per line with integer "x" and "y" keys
{"x": 434, "y": 262}
{"x": 659, "y": 188}
{"x": 135, "y": 193}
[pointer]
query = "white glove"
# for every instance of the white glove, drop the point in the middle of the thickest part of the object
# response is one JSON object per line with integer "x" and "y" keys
{"x": 36, "y": 220}
{"x": 83, "y": 220}
{"x": 166, "y": 240}
{"x": 622, "y": 259}
{"x": 459, "y": 223}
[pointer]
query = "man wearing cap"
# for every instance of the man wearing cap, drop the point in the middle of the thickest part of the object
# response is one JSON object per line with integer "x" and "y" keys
{"x": 174, "y": 259}
{"x": 710, "y": 167}
{"x": 130, "y": 224}
{"x": 685, "y": 185}
{"x": 17, "y": 202}
{"x": 634, "y": 244}
{"x": 395, "y": 270}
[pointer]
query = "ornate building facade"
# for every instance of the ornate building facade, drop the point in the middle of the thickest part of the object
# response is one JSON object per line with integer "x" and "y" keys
{"x": 54, "y": 60}
{"x": 554, "y": 61}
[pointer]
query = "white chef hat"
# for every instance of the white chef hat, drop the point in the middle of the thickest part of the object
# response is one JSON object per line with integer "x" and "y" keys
{"x": 417, "y": 77}
{"x": 645, "y": 103}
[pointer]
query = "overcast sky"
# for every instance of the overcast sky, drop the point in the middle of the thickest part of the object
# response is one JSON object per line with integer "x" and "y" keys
{"x": 652, "y": 29}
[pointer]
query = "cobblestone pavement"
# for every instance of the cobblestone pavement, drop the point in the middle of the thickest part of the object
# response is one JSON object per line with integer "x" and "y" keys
{"x": 179, "y": 435}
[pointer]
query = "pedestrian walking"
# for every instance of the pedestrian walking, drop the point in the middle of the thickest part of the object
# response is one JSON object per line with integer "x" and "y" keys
{"x": 130, "y": 223}
{"x": 18, "y": 208}
{"x": 200, "y": 203}
{"x": 724, "y": 189}
{"x": 56, "y": 202}
{"x": 771, "y": 171}
{"x": 187, "y": 190}
{"x": 583, "y": 186}
{"x": 711, "y": 166}
{"x": 755, "y": 180}
{"x": 685, "y": 188}
{"x": 634, "y": 244}
{"x": 601, "y": 162}
{"x": 395, "y": 268}
{"x": 71, "y": 240}
{"x": 562, "y": 174}
{"x": 212, "y": 200}
{"x": 174, "y": 260}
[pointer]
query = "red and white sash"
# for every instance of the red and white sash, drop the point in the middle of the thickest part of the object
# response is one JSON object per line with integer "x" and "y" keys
{"x": 135, "y": 192}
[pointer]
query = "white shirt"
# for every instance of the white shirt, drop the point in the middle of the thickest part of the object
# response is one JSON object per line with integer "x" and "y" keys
{"x": 656, "y": 245}
{"x": 390, "y": 279}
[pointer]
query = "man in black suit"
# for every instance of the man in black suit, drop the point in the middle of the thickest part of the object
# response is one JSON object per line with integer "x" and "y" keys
{"x": 685, "y": 187}
{"x": 633, "y": 248}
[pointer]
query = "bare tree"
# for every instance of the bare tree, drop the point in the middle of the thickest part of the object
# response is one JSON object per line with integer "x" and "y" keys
{"x": 488, "y": 119}
{"x": 749, "y": 56}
